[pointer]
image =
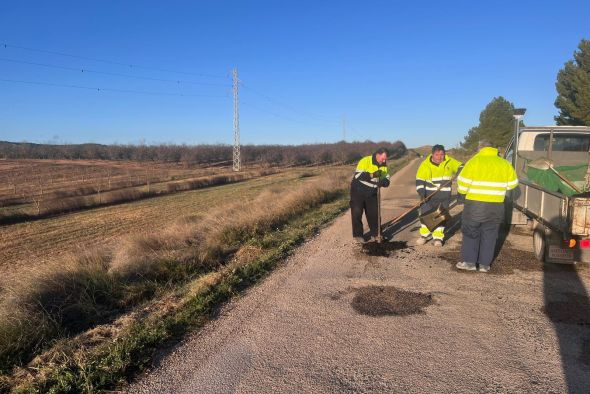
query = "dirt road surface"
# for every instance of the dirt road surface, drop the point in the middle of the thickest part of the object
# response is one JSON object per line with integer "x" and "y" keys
{"x": 324, "y": 322}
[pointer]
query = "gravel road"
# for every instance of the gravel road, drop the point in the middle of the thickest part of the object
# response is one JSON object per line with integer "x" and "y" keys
{"x": 520, "y": 328}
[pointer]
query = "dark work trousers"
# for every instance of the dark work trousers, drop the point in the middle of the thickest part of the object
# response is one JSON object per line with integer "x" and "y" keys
{"x": 434, "y": 202}
{"x": 479, "y": 241}
{"x": 368, "y": 204}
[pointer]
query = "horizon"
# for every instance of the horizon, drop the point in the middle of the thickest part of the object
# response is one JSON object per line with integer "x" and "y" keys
{"x": 49, "y": 143}
{"x": 311, "y": 73}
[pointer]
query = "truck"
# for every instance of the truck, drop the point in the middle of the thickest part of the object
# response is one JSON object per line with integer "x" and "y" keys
{"x": 553, "y": 196}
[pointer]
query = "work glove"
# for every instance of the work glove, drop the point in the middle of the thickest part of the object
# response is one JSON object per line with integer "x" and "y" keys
{"x": 383, "y": 182}
{"x": 376, "y": 174}
{"x": 460, "y": 198}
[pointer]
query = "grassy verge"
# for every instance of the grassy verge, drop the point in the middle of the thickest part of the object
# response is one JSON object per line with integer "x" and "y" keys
{"x": 58, "y": 302}
{"x": 96, "y": 321}
{"x": 117, "y": 361}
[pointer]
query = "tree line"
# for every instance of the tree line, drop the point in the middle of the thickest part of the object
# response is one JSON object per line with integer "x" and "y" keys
{"x": 496, "y": 121}
{"x": 266, "y": 155}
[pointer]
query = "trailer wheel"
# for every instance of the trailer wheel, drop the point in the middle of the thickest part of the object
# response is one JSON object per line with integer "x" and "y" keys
{"x": 539, "y": 243}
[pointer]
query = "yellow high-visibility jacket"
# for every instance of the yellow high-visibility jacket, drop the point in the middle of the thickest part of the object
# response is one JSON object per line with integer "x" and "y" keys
{"x": 430, "y": 177}
{"x": 486, "y": 177}
{"x": 363, "y": 181}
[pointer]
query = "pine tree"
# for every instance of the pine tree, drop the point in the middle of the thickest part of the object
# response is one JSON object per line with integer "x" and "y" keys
{"x": 496, "y": 124}
{"x": 573, "y": 88}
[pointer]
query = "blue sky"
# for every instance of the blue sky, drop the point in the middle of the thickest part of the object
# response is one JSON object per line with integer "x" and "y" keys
{"x": 420, "y": 72}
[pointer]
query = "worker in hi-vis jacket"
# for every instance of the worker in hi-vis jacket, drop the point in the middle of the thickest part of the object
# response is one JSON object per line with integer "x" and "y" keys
{"x": 435, "y": 173}
{"x": 371, "y": 173}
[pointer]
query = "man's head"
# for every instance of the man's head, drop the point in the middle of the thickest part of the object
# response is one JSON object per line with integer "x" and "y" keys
{"x": 438, "y": 154}
{"x": 381, "y": 155}
{"x": 483, "y": 144}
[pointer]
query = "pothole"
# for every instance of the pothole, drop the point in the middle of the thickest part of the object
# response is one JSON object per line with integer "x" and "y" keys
{"x": 384, "y": 249}
{"x": 389, "y": 301}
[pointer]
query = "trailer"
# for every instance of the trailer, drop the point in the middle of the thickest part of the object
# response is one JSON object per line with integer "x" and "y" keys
{"x": 553, "y": 196}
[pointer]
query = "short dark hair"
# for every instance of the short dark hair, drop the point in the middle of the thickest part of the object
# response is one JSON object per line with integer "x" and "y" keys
{"x": 484, "y": 144}
{"x": 382, "y": 150}
{"x": 438, "y": 147}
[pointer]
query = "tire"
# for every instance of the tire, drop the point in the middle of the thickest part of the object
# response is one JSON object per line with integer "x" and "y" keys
{"x": 539, "y": 243}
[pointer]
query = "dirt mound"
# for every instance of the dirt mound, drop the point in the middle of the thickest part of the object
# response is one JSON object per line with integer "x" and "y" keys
{"x": 507, "y": 261}
{"x": 575, "y": 309}
{"x": 383, "y": 249}
{"x": 510, "y": 259}
{"x": 585, "y": 354}
{"x": 389, "y": 301}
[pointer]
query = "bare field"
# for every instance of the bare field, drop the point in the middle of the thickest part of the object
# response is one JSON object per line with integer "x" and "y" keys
{"x": 20, "y": 180}
{"x": 37, "y": 242}
{"x": 32, "y": 189}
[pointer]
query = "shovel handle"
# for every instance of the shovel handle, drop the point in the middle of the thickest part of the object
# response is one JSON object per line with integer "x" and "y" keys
{"x": 405, "y": 213}
{"x": 379, "y": 215}
{"x": 567, "y": 181}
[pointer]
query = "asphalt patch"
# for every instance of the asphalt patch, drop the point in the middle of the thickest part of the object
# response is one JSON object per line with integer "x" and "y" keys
{"x": 383, "y": 249}
{"x": 389, "y": 301}
{"x": 575, "y": 310}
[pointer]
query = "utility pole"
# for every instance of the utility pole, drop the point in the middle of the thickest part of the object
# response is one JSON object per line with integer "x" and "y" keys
{"x": 344, "y": 127}
{"x": 237, "y": 162}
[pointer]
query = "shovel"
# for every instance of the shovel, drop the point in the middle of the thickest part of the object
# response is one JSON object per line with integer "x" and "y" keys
{"x": 379, "y": 236}
{"x": 546, "y": 164}
{"x": 407, "y": 212}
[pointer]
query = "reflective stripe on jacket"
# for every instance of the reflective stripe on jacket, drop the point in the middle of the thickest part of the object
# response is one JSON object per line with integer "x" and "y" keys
{"x": 362, "y": 179}
{"x": 429, "y": 176}
{"x": 486, "y": 177}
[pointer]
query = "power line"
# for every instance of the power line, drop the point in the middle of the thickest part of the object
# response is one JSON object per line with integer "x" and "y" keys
{"x": 85, "y": 70}
{"x": 356, "y": 133}
{"x": 271, "y": 112}
{"x": 113, "y": 62}
{"x": 110, "y": 89}
{"x": 281, "y": 116}
{"x": 279, "y": 103}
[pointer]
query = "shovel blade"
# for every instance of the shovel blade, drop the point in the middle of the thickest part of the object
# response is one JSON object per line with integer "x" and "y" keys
{"x": 541, "y": 164}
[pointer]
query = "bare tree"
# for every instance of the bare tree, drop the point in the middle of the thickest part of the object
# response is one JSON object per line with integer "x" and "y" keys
{"x": 34, "y": 193}
{"x": 13, "y": 176}
{"x": 99, "y": 188}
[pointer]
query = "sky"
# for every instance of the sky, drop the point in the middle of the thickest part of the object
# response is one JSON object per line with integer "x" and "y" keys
{"x": 310, "y": 71}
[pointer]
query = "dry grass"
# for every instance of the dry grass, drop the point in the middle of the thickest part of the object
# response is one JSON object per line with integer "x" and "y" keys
{"x": 40, "y": 242}
{"x": 246, "y": 238}
{"x": 205, "y": 243}
{"x": 70, "y": 296}
{"x": 54, "y": 301}
{"x": 221, "y": 179}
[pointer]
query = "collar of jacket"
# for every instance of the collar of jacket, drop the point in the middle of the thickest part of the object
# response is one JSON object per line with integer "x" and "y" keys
{"x": 488, "y": 151}
{"x": 374, "y": 161}
{"x": 429, "y": 158}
